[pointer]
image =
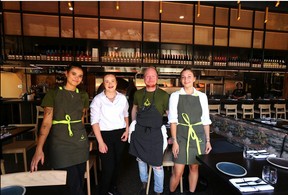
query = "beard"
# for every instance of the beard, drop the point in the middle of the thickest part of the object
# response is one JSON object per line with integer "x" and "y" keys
{"x": 151, "y": 85}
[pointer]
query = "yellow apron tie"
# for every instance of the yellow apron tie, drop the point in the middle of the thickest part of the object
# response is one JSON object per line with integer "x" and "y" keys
{"x": 68, "y": 122}
{"x": 191, "y": 133}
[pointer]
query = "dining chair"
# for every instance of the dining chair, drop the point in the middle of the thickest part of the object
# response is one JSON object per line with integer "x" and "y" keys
{"x": 214, "y": 109}
{"x": 2, "y": 167}
{"x": 39, "y": 113}
{"x": 280, "y": 110}
{"x": 247, "y": 110}
{"x": 231, "y": 110}
{"x": 89, "y": 164}
{"x": 264, "y": 110}
{"x": 36, "y": 178}
{"x": 167, "y": 162}
{"x": 22, "y": 146}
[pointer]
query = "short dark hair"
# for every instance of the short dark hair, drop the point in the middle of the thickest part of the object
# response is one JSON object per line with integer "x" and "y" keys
{"x": 74, "y": 65}
{"x": 190, "y": 69}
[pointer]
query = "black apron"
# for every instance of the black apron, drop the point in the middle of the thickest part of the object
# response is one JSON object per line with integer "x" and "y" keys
{"x": 68, "y": 143}
{"x": 147, "y": 140}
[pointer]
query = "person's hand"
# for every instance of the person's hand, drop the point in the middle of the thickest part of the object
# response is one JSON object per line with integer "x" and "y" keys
{"x": 103, "y": 148}
{"x": 175, "y": 149}
{"x": 38, "y": 156}
{"x": 124, "y": 136}
{"x": 208, "y": 147}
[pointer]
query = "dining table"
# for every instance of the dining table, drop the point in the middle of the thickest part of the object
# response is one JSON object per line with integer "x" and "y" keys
{"x": 253, "y": 167}
{"x": 9, "y": 132}
{"x": 13, "y": 131}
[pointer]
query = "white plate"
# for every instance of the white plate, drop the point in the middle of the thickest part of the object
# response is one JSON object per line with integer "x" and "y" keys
{"x": 278, "y": 162}
{"x": 231, "y": 169}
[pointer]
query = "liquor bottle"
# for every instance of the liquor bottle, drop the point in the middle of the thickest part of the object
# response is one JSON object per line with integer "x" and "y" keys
{"x": 77, "y": 55}
{"x": 11, "y": 55}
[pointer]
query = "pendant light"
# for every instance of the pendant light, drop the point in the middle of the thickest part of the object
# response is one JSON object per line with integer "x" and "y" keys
{"x": 266, "y": 14}
{"x": 70, "y": 6}
{"x": 198, "y": 9}
{"x": 239, "y": 11}
{"x": 277, "y": 3}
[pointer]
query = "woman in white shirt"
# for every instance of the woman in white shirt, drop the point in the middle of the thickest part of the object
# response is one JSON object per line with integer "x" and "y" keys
{"x": 189, "y": 121}
{"x": 110, "y": 123}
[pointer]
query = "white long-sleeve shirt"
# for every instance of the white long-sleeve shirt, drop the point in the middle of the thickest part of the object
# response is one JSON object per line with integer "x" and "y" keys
{"x": 173, "y": 106}
{"x": 109, "y": 115}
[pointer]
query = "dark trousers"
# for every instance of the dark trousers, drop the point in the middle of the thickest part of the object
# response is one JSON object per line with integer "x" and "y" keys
{"x": 75, "y": 179}
{"x": 111, "y": 160}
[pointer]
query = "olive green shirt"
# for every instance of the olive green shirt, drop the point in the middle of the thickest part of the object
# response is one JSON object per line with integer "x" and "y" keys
{"x": 161, "y": 99}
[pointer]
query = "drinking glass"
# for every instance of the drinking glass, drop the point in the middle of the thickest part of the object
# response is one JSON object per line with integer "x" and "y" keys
{"x": 246, "y": 153}
{"x": 269, "y": 174}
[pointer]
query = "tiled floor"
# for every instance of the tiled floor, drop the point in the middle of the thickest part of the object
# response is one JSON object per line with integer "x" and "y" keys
{"x": 129, "y": 182}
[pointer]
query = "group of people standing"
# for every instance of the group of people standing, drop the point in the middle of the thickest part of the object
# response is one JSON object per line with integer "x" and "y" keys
{"x": 63, "y": 127}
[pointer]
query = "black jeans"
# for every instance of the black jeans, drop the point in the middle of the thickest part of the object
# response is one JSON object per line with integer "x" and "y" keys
{"x": 75, "y": 179}
{"x": 111, "y": 160}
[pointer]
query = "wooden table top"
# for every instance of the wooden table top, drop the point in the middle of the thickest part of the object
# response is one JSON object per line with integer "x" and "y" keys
{"x": 15, "y": 131}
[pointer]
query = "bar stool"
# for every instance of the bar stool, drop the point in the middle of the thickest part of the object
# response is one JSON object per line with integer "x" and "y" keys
{"x": 247, "y": 109}
{"x": 231, "y": 110}
{"x": 2, "y": 167}
{"x": 280, "y": 110}
{"x": 264, "y": 110}
{"x": 214, "y": 108}
{"x": 167, "y": 162}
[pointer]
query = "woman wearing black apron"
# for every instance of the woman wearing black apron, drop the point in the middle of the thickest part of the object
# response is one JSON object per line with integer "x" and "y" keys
{"x": 150, "y": 103}
{"x": 189, "y": 121}
{"x": 63, "y": 122}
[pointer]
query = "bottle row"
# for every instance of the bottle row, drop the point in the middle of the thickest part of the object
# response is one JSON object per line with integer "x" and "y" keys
{"x": 55, "y": 55}
{"x": 135, "y": 56}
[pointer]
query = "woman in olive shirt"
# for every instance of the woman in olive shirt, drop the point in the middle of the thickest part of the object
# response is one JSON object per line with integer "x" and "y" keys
{"x": 63, "y": 121}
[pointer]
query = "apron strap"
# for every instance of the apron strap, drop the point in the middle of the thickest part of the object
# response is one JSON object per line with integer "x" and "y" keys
{"x": 61, "y": 88}
{"x": 68, "y": 122}
{"x": 191, "y": 133}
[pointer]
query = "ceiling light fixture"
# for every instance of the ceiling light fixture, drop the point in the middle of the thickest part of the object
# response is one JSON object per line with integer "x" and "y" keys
{"x": 266, "y": 15}
{"x": 277, "y": 3}
{"x": 70, "y": 6}
{"x": 117, "y": 5}
{"x": 181, "y": 17}
{"x": 198, "y": 9}
{"x": 161, "y": 7}
{"x": 239, "y": 11}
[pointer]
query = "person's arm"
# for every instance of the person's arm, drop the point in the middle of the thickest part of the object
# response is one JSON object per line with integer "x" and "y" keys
{"x": 84, "y": 115}
{"x": 102, "y": 146}
{"x": 124, "y": 136}
{"x": 173, "y": 120}
{"x": 134, "y": 112}
{"x": 44, "y": 131}
{"x": 175, "y": 146}
{"x": 207, "y": 139}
